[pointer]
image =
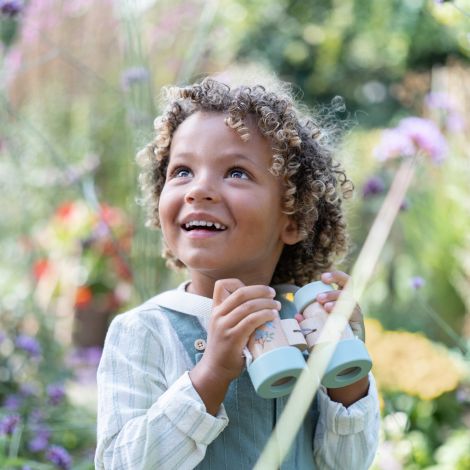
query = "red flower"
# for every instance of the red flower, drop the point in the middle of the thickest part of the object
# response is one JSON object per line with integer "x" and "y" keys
{"x": 40, "y": 267}
{"x": 83, "y": 296}
{"x": 64, "y": 211}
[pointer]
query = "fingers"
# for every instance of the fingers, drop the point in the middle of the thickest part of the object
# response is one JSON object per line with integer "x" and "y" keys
{"x": 238, "y": 309}
{"x": 250, "y": 307}
{"x": 223, "y": 288}
{"x": 251, "y": 322}
{"x": 337, "y": 277}
{"x": 229, "y": 294}
{"x": 329, "y": 299}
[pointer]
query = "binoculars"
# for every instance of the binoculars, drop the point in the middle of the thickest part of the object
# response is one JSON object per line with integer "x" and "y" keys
{"x": 278, "y": 349}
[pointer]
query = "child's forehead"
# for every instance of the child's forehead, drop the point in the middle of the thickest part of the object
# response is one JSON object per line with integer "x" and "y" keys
{"x": 212, "y": 127}
{"x": 216, "y": 121}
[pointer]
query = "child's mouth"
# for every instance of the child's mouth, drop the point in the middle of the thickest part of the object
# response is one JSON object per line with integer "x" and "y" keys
{"x": 203, "y": 225}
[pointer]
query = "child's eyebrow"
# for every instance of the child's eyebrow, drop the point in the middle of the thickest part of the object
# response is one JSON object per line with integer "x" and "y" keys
{"x": 224, "y": 156}
{"x": 235, "y": 156}
{"x": 240, "y": 157}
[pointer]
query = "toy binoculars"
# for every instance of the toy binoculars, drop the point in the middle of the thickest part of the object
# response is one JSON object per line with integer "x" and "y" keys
{"x": 278, "y": 349}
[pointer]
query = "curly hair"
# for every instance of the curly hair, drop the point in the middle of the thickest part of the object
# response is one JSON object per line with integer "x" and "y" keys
{"x": 315, "y": 184}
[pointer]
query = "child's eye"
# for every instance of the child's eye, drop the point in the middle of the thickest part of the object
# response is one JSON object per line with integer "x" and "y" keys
{"x": 238, "y": 173}
{"x": 181, "y": 172}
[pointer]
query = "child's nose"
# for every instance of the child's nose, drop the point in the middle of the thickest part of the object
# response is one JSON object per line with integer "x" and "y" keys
{"x": 201, "y": 191}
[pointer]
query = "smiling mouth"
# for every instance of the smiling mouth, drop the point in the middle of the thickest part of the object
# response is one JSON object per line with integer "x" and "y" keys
{"x": 203, "y": 225}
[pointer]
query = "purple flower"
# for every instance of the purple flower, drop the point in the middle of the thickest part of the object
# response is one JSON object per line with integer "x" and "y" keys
{"x": 29, "y": 389}
{"x": 413, "y": 134}
{"x": 56, "y": 394}
{"x": 394, "y": 143}
{"x": 36, "y": 417}
{"x": 12, "y": 402}
{"x": 9, "y": 424}
{"x": 11, "y": 7}
{"x": 40, "y": 441}
{"x": 84, "y": 362}
{"x": 88, "y": 356}
{"x": 2, "y": 336}
{"x": 417, "y": 282}
{"x": 373, "y": 186}
{"x": 29, "y": 344}
{"x": 93, "y": 355}
{"x": 134, "y": 75}
{"x": 426, "y": 136}
{"x": 59, "y": 457}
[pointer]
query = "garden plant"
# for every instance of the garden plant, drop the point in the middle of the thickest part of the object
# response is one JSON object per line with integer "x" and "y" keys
{"x": 79, "y": 84}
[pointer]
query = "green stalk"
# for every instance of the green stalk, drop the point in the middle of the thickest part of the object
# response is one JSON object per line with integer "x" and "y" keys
{"x": 308, "y": 383}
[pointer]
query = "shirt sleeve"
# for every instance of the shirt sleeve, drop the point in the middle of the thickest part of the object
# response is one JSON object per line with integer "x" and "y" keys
{"x": 347, "y": 438}
{"x": 142, "y": 422}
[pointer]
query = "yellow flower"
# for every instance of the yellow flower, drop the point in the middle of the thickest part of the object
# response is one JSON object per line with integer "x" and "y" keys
{"x": 410, "y": 363}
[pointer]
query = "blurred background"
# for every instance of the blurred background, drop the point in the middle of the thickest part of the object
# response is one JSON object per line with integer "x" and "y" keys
{"x": 79, "y": 86}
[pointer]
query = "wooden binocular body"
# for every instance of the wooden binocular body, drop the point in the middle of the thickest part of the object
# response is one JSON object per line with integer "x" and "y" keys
{"x": 278, "y": 349}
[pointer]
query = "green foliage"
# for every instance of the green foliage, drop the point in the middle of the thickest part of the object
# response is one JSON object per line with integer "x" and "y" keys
{"x": 358, "y": 48}
{"x": 424, "y": 434}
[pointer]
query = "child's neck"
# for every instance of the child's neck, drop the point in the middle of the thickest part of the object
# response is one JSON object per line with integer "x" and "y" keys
{"x": 204, "y": 285}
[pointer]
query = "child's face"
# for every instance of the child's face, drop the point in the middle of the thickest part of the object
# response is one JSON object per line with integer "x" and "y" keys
{"x": 220, "y": 207}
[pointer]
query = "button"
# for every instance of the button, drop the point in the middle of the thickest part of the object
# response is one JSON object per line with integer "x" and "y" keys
{"x": 200, "y": 344}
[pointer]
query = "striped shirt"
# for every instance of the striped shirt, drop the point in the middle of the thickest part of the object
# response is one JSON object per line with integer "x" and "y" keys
{"x": 151, "y": 417}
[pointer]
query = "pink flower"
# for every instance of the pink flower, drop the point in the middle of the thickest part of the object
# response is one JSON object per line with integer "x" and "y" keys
{"x": 439, "y": 100}
{"x": 393, "y": 144}
{"x": 412, "y": 135}
{"x": 455, "y": 122}
{"x": 426, "y": 136}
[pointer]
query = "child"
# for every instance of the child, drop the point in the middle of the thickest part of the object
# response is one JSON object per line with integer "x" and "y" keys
{"x": 247, "y": 196}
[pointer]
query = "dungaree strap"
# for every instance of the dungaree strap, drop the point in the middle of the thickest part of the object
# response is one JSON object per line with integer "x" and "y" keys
{"x": 189, "y": 329}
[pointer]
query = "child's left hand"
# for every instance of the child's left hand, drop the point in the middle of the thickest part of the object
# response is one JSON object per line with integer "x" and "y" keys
{"x": 328, "y": 301}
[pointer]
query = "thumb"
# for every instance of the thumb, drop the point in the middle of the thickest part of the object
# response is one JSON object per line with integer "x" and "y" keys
{"x": 223, "y": 288}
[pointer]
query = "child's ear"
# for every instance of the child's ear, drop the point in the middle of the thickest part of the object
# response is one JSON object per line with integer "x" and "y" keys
{"x": 290, "y": 234}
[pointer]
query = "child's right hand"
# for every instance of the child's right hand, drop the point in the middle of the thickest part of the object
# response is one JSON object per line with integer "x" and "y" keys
{"x": 237, "y": 311}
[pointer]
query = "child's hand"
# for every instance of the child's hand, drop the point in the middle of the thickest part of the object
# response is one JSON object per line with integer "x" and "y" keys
{"x": 328, "y": 301}
{"x": 237, "y": 311}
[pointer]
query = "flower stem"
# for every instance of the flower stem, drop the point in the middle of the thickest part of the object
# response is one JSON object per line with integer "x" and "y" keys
{"x": 308, "y": 383}
{"x": 444, "y": 326}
